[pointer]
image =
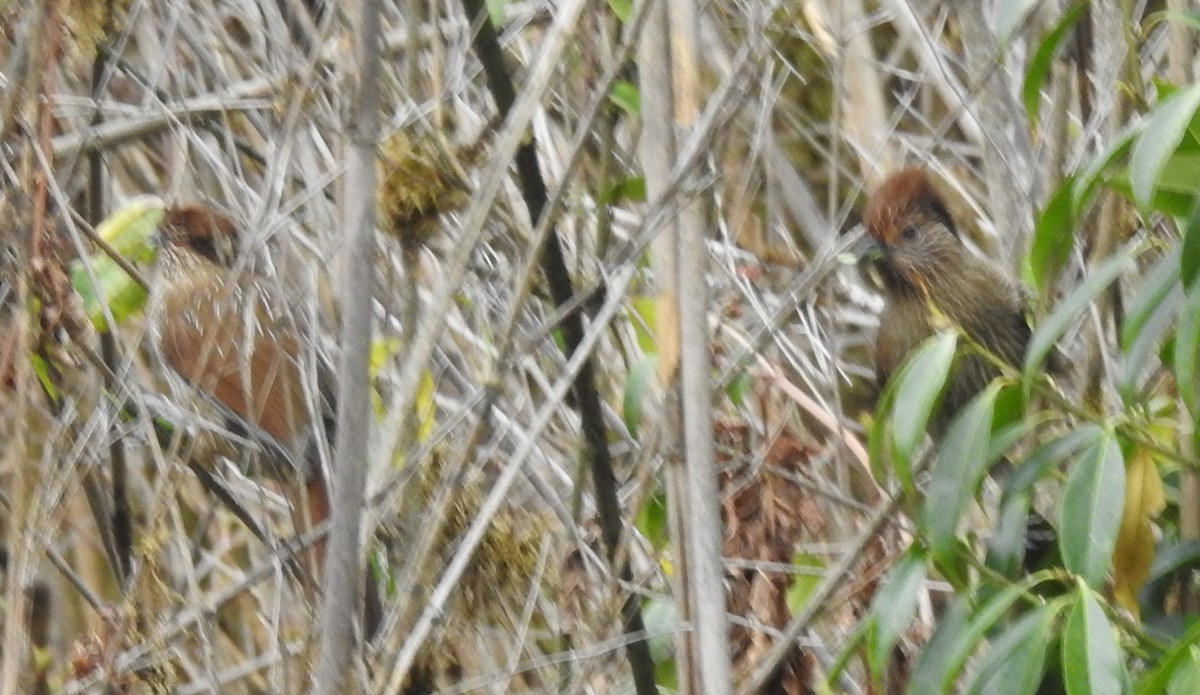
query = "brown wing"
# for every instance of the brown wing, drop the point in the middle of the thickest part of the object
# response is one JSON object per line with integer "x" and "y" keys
{"x": 228, "y": 341}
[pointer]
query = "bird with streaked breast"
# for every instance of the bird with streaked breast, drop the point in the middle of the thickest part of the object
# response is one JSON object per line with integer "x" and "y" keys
{"x": 233, "y": 336}
{"x": 926, "y": 269}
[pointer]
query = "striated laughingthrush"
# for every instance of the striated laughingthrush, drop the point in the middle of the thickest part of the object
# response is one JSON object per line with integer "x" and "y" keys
{"x": 236, "y": 338}
{"x": 926, "y": 269}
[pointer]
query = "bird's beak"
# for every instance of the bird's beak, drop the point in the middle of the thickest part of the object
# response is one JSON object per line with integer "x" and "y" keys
{"x": 871, "y": 255}
{"x": 868, "y": 251}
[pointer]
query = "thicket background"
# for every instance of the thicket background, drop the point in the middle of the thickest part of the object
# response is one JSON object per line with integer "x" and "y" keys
{"x": 691, "y": 377}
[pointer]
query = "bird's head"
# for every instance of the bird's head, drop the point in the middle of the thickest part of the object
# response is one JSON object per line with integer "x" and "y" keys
{"x": 202, "y": 232}
{"x": 914, "y": 239}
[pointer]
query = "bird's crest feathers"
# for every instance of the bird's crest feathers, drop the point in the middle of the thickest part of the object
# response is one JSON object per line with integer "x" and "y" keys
{"x": 904, "y": 197}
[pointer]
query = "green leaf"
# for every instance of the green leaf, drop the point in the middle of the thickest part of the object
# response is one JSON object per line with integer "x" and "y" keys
{"x": 1091, "y": 659}
{"x": 960, "y": 633}
{"x": 1150, "y": 295}
{"x": 1158, "y": 140}
{"x": 1047, "y": 456}
{"x": 1052, "y": 238}
{"x": 1089, "y": 177}
{"x": 130, "y": 229}
{"x": 1014, "y": 663}
{"x": 1157, "y": 679}
{"x": 626, "y": 190}
{"x": 637, "y": 387}
{"x": 1189, "y": 257}
{"x": 1043, "y": 60}
{"x": 662, "y": 620}
{"x": 1186, "y": 679}
{"x": 1151, "y": 315}
{"x": 1073, "y": 306}
{"x": 103, "y": 285}
{"x": 625, "y": 94}
{"x": 645, "y": 322}
{"x": 651, "y": 520}
{"x": 1092, "y": 500}
{"x": 920, "y": 384}
{"x": 879, "y": 436}
{"x": 738, "y": 388}
{"x": 1006, "y": 547}
{"x": 961, "y": 462}
{"x": 621, "y": 8}
{"x": 938, "y": 662}
{"x": 1181, "y": 173}
{"x": 1187, "y": 351}
{"x": 805, "y": 581}
{"x": 893, "y": 607}
{"x": 108, "y": 288}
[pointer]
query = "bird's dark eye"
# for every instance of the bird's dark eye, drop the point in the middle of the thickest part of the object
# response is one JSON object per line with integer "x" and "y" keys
{"x": 909, "y": 233}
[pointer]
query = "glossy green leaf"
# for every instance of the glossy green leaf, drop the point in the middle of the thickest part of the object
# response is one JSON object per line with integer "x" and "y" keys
{"x": 621, "y": 8}
{"x": 1158, "y": 141}
{"x": 1089, "y": 178}
{"x": 1016, "y": 658}
{"x": 738, "y": 388}
{"x": 651, "y": 520}
{"x": 1093, "y": 497}
{"x": 1156, "y": 284}
{"x": 1052, "y": 238}
{"x": 1164, "y": 199}
{"x": 625, "y": 95}
{"x": 130, "y": 229}
{"x": 1047, "y": 457}
{"x": 893, "y": 607}
{"x": 1043, "y": 60}
{"x": 42, "y": 370}
{"x": 1071, "y": 308}
{"x": 645, "y": 321}
{"x": 1009, "y": 417}
{"x": 1189, "y": 257}
{"x": 1006, "y": 547}
{"x": 1007, "y": 436}
{"x": 961, "y": 463}
{"x": 1186, "y": 679}
{"x": 920, "y": 385}
{"x": 1187, "y": 351}
{"x": 103, "y": 285}
{"x": 107, "y": 288}
{"x": 878, "y": 438}
{"x": 1149, "y": 317}
{"x": 662, "y": 619}
{"x": 809, "y": 570}
{"x": 1181, "y": 173}
{"x": 938, "y": 665}
{"x": 632, "y": 190}
{"x": 1158, "y": 677}
{"x": 960, "y": 632}
{"x": 1091, "y": 659}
